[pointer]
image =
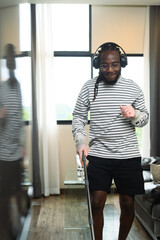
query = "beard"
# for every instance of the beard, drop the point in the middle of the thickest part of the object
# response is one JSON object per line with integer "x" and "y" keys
{"x": 109, "y": 82}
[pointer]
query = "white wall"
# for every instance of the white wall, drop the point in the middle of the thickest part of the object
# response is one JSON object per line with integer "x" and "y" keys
{"x": 124, "y": 25}
{"x": 9, "y": 27}
{"x": 67, "y": 150}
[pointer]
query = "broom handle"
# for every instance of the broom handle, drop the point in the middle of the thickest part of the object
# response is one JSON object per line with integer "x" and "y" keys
{"x": 88, "y": 197}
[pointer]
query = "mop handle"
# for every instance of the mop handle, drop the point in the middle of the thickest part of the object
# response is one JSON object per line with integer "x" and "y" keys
{"x": 88, "y": 197}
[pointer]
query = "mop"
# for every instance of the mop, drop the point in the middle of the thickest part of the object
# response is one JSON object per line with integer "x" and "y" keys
{"x": 90, "y": 218}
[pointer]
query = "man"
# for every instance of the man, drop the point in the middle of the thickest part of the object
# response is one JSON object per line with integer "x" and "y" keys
{"x": 116, "y": 107}
{"x": 11, "y": 147}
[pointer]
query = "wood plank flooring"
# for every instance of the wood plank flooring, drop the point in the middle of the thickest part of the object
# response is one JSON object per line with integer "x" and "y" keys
{"x": 65, "y": 217}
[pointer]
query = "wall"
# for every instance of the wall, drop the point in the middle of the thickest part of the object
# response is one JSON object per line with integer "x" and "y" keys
{"x": 67, "y": 150}
{"x": 9, "y": 27}
{"x": 121, "y": 24}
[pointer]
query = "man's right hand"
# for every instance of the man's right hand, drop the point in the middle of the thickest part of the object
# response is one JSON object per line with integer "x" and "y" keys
{"x": 82, "y": 149}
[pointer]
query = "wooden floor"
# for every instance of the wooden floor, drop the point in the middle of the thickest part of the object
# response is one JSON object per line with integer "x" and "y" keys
{"x": 65, "y": 217}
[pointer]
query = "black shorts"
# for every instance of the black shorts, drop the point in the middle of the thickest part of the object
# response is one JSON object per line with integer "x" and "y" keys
{"x": 127, "y": 175}
{"x": 10, "y": 177}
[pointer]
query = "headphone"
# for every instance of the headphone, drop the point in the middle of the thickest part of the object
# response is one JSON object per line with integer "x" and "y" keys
{"x": 123, "y": 56}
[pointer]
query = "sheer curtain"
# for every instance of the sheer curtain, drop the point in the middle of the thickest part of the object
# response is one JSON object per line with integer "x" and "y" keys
{"x": 146, "y": 129}
{"x": 48, "y": 137}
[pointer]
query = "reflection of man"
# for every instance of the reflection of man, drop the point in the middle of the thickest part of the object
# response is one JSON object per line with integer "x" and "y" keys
{"x": 116, "y": 107}
{"x": 11, "y": 147}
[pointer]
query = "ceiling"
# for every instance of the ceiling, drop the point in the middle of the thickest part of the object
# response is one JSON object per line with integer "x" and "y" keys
{"x": 4, "y": 3}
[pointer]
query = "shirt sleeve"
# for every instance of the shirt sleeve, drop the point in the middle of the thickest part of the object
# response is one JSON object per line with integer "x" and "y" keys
{"x": 142, "y": 115}
{"x": 80, "y": 116}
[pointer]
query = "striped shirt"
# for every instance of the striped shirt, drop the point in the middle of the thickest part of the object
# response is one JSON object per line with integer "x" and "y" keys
{"x": 110, "y": 135}
{"x": 11, "y": 127}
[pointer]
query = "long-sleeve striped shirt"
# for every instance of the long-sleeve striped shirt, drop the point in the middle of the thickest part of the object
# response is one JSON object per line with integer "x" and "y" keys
{"x": 11, "y": 127}
{"x": 110, "y": 135}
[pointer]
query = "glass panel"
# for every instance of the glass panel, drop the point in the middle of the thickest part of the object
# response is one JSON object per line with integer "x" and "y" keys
{"x": 71, "y": 30}
{"x": 23, "y": 75}
{"x": 70, "y": 74}
{"x": 25, "y": 27}
{"x": 136, "y": 65}
{"x": 135, "y": 70}
{"x": 15, "y": 175}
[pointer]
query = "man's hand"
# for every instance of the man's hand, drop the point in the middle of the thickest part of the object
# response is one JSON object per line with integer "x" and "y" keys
{"x": 128, "y": 111}
{"x": 82, "y": 149}
{"x": 3, "y": 112}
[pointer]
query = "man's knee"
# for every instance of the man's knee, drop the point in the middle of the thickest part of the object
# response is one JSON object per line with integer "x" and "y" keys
{"x": 127, "y": 204}
{"x": 97, "y": 205}
{"x": 98, "y": 201}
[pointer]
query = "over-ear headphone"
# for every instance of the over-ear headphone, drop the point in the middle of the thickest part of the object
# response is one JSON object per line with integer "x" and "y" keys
{"x": 123, "y": 56}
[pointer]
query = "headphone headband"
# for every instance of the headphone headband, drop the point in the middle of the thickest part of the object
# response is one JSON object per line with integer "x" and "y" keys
{"x": 123, "y": 57}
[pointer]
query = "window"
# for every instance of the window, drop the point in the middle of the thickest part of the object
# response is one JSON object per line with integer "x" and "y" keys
{"x": 23, "y": 75}
{"x": 70, "y": 74}
{"x": 135, "y": 71}
{"x": 23, "y": 63}
{"x": 73, "y": 58}
{"x": 72, "y": 62}
{"x": 71, "y": 27}
{"x": 23, "y": 60}
{"x": 24, "y": 27}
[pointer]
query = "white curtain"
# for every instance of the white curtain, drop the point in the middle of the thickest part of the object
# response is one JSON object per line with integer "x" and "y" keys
{"x": 46, "y": 110}
{"x": 146, "y": 129}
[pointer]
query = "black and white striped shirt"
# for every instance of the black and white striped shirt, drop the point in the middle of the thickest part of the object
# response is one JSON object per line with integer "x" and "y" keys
{"x": 110, "y": 135}
{"x": 11, "y": 127}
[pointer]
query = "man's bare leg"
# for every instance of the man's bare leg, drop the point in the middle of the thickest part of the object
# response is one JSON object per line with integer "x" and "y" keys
{"x": 98, "y": 199}
{"x": 127, "y": 215}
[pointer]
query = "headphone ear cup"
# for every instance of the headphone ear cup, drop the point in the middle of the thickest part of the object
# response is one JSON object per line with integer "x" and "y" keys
{"x": 123, "y": 61}
{"x": 96, "y": 61}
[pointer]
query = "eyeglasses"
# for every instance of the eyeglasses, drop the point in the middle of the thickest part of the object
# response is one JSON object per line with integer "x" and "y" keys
{"x": 105, "y": 66}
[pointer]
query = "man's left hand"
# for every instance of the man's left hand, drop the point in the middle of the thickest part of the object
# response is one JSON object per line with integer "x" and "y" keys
{"x": 128, "y": 111}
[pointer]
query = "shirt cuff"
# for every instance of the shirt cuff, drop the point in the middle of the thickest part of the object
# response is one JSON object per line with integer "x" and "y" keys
{"x": 137, "y": 118}
{"x": 80, "y": 139}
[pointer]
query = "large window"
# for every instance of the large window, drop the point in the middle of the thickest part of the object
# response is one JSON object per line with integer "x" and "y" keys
{"x": 71, "y": 27}
{"x": 134, "y": 70}
{"x": 73, "y": 57}
{"x": 23, "y": 60}
{"x": 72, "y": 61}
{"x": 70, "y": 74}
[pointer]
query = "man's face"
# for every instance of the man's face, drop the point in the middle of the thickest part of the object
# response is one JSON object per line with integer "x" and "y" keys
{"x": 110, "y": 66}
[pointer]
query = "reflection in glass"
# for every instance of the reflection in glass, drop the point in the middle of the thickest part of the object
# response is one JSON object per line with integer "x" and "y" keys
{"x": 23, "y": 74}
{"x": 14, "y": 199}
